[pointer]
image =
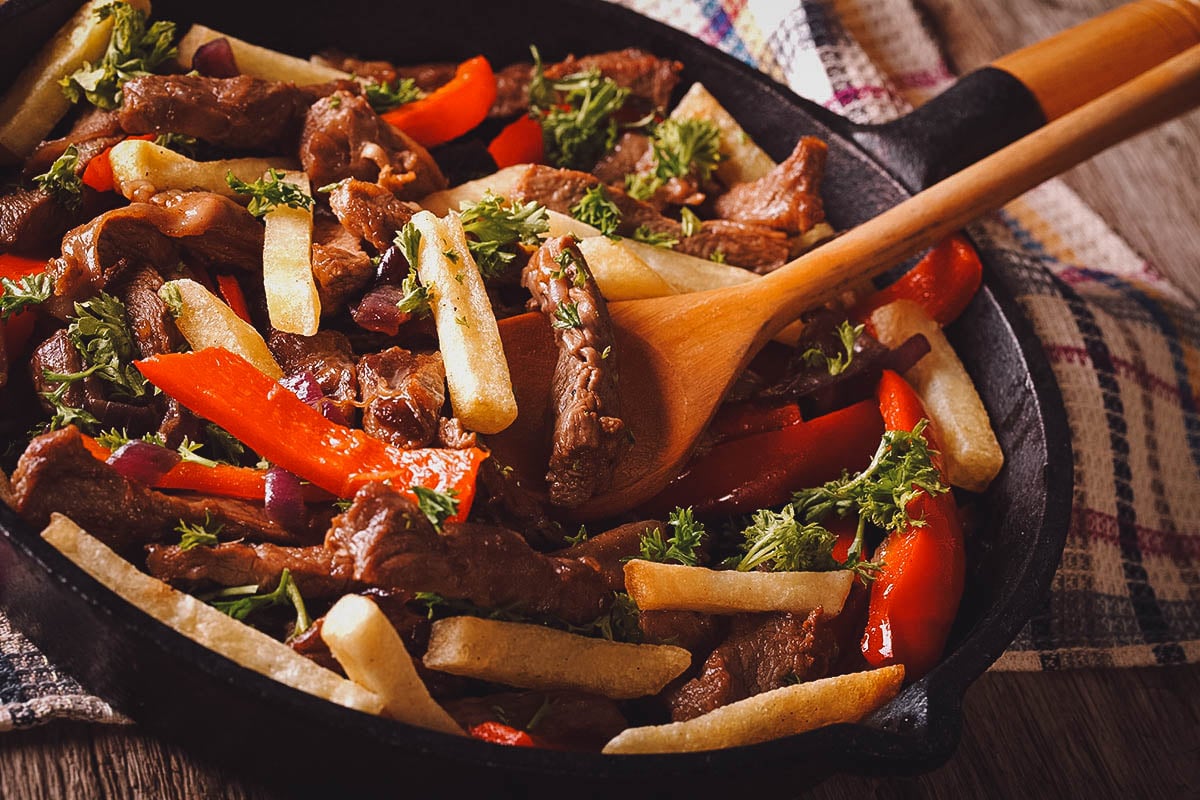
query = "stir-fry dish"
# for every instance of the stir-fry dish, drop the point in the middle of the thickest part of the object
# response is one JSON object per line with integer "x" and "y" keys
{"x": 254, "y": 351}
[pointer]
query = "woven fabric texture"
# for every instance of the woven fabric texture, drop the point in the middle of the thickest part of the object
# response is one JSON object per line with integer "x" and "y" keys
{"x": 1123, "y": 342}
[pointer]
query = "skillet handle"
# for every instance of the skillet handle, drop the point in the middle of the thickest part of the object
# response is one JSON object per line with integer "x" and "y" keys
{"x": 1018, "y": 93}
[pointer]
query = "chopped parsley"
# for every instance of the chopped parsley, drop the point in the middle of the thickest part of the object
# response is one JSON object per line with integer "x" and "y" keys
{"x": 133, "y": 50}
{"x": 61, "y": 180}
{"x": 178, "y": 142}
{"x": 416, "y": 297}
{"x": 172, "y": 298}
{"x": 63, "y": 415}
{"x": 435, "y": 505}
{"x": 31, "y": 290}
{"x": 658, "y": 239}
{"x": 408, "y": 239}
{"x": 269, "y": 192}
{"x": 685, "y": 147}
{"x": 577, "y": 114}
{"x": 566, "y": 316}
{"x": 384, "y": 97}
{"x": 198, "y": 534}
{"x": 717, "y": 256}
{"x": 595, "y": 208}
{"x": 578, "y": 537}
{"x": 641, "y": 185}
{"x": 495, "y": 227}
{"x": 847, "y": 335}
{"x": 689, "y": 223}
{"x": 101, "y": 334}
{"x": 240, "y": 602}
{"x": 776, "y": 539}
{"x": 680, "y": 547}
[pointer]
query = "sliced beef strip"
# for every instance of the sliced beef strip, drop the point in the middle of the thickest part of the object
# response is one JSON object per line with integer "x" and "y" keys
{"x": 762, "y": 652}
{"x": 317, "y": 574}
{"x": 644, "y": 74}
{"x": 787, "y": 198}
{"x": 93, "y": 132}
{"x": 589, "y": 436}
{"x": 694, "y": 631}
{"x": 243, "y": 113}
{"x": 509, "y": 502}
{"x": 566, "y": 719}
{"x": 370, "y": 212}
{"x": 32, "y": 222}
{"x": 611, "y": 549}
{"x": 630, "y": 154}
{"x": 392, "y": 545}
{"x": 344, "y": 138}
{"x": 745, "y": 245}
{"x": 57, "y": 473}
{"x": 340, "y": 267}
{"x": 327, "y": 355}
{"x": 512, "y": 90}
{"x": 402, "y": 396}
{"x": 206, "y": 227}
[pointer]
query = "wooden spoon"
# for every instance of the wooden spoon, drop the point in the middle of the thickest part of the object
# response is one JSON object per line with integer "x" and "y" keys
{"x": 678, "y": 355}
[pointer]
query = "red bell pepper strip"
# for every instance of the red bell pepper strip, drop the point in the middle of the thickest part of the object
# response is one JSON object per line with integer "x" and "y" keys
{"x": 735, "y": 420}
{"x": 98, "y": 173}
{"x": 226, "y": 389}
{"x": 231, "y": 290}
{"x": 521, "y": 142}
{"x": 18, "y": 328}
{"x": 452, "y": 109}
{"x": 499, "y": 733}
{"x": 763, "y": 469}
{"x": 943, "y": 282}
{"x": 915, "y": 595}
{"x": 16, "y": 267}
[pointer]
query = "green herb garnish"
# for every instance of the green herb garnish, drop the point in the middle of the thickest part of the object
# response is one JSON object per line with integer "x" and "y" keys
{"x": 658, "y": 239}
{"x": 384, "y": 97}
{"x": 494, "y": 228}
{"x": 848, "y": 335}
{"x": 31, "y": 290}
{"x": 240, "y": 602}
{"x": 680, "y": 547}
{"x": 566, "y": 316}
{"x": 269, "y": 192}
{"x": 61, "y": 180}
{"x": 435, "y": 505}
{"x": 133, "y": 50}
{"x": 595, "y": 208}
{"x": 576, "y": 114}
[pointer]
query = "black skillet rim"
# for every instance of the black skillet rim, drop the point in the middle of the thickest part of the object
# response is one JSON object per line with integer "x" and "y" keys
{"x": 858, "y": 747}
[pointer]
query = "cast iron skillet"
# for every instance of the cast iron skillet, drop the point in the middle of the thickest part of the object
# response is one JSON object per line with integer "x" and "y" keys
{"x": 189, "y": 694}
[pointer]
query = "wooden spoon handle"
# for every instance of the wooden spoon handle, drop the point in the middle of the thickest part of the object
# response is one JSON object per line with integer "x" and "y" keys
{"x": 1066, "y": 70}
{"x": 1156, "y": 96}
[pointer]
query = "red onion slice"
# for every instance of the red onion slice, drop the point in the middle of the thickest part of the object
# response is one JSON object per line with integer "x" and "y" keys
{"x": 379, "y": 310}
{"x": 285, "y": 500}
{"x": 304, "y": 385}
{"x": 215, "y": 59}
{"x": 143, "y": 462}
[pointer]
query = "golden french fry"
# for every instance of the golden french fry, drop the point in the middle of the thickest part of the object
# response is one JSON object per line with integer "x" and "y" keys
{"x": 203, "y": 624}
{"x": 534, "y": 657}
{"x": 619, "y": 273}
{"x": 291, "y": 290}
{"x": 660, "y": 587}
{"x": 367, "y": 646}
{"x": 259, "y": 62}
{"x": 499, "y": 183}
{"x": 35, "y": 102}
{"x": 481, "y": 392}
{"x": 141, "y": 169}
{"x": 207, "y": 322}
{"x": 742, "y": 159}
{"x": 973, "y": 456}
{"x": 770, "y": 715}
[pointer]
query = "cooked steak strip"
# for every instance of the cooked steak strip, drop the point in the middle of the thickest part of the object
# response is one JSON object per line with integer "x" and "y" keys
{"x": 243, "y": 113}
{"x": 762, "y": 652}
{"x": 32, "y": 222}
{"x": 327, "y": 355}
{"x": 370, "y": 212}
{"x": 402, "y": 396}
{"x": 206, "y": 227}
{"x": 611, "y": 549}
{"x": 57, "y": 473}
{"x": 94, "y": 131}
{"x": 644, "y": 74}
{"x": 511, "y": 504}
{"x": 317, "y": 574}
{"x": 746, "y": 245}
{"x": 589, "y": 436}
{"x": 694, "y": 631}
{"x": 564, "y": 719}
{"x": 787, "y": 198}
{"x": 344, "y": 138}
{"x": 340, "y": 267}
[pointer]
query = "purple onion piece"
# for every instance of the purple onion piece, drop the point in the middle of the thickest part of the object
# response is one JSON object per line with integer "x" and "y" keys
{"x": 902, "y": 357}
{"x": 285, "y": 500}
{"x": 333, "y": 412}
{"x": 215, "y": 59}
{"x": 305, "y": 386}
{"x": 379, "y": 310}
{"x": 393, "y": 267}
{"x": 143, "y": 462}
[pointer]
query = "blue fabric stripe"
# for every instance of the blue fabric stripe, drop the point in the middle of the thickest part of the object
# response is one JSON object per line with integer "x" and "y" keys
{"x": 726, "y": 36}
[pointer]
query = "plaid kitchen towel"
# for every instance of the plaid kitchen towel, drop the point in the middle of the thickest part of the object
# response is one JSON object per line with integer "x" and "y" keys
{"x": 1124, "y": 344}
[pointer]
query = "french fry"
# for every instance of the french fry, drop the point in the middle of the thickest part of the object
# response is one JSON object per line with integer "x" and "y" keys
{"x": 534, "y": 657}
{"x": 500, "y": 183}
{"x": 770, "y": 715}
{"x": 35, "y": 102}
{"x": 207, "y": 322}
{"x": 619, "y": 273}
{"x": 742, "y": 159}
{"x": 203, "y": 624}
{"x": 291, "y": 290}
{"x": 481, "y": 392}
{"x": 259, "y": 62}
{"x": 367, "y": 646}
{"x": 973, "y": 456}
{"x": 659, "y": 587}
{"x": 142, "y": 168}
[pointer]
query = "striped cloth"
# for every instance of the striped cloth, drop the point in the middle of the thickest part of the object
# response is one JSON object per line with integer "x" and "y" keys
{"x": 1124, "y": 344}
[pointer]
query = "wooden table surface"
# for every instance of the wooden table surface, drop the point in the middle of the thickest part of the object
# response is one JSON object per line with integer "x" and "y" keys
{"x": 1092, "y": 734}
